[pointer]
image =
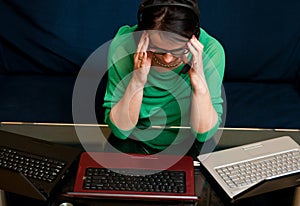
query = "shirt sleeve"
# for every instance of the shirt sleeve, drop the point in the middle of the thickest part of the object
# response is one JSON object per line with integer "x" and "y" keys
{"x": 120, "y": 67}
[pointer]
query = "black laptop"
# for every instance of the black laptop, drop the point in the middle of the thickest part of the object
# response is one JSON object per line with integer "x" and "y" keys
{"x": 32, "y": 167}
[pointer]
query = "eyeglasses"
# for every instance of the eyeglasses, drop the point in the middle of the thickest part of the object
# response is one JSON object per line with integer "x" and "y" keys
{"x": 175, "y": 52}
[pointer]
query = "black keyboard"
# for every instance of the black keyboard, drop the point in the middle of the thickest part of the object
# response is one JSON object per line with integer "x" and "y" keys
{"x": 133, "y": 180}
{"x": 30, "y": 165}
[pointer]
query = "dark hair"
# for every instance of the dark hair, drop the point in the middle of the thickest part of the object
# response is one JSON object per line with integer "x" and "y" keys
{"x": 177, "y": 16}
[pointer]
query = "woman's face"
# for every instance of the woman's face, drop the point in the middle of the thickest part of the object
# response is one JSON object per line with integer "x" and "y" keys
{"x": 169, "y": 48}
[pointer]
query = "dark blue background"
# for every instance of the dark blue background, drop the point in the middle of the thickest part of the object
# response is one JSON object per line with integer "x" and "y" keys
{"x": 43, "y": 45}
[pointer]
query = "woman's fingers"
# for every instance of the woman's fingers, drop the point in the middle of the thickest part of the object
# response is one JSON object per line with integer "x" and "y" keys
{"x": 141, "y": 59}
{"x": 196, "y": 44}
{"x": 141, "y": 56}
{"x": 196, "y": 48}
{"x": 141, "y": 51}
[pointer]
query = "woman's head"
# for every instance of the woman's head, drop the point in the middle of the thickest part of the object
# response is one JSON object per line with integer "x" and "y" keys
{"x": 176, "y": 16}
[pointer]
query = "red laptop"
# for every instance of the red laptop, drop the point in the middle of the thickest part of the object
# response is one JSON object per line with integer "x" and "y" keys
{"x": 135, "y": 176}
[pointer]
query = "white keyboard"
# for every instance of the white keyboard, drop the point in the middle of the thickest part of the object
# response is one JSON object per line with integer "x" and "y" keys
{"x": 252, "y": 171}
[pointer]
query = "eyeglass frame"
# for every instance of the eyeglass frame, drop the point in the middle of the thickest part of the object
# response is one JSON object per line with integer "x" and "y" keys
{"x": 165, "y": 51}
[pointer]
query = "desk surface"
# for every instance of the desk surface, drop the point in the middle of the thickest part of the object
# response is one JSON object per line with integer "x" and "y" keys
{"x": 66, "y": 133}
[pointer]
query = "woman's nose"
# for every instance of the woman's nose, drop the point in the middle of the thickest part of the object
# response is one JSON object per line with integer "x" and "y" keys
{"x": 167, "y": 57}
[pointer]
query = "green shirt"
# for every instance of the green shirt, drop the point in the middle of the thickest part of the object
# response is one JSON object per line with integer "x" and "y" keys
{"x": 166, "y": 96}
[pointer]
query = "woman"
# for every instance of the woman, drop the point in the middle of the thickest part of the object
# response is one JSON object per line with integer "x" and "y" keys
{"x": 149, "y": 85}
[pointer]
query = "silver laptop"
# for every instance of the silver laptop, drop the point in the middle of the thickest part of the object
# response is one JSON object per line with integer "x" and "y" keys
{"x": 253, "y": 169}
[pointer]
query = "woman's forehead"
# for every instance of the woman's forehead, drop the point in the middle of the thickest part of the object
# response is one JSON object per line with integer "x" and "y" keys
{"x": 163, "y": 39}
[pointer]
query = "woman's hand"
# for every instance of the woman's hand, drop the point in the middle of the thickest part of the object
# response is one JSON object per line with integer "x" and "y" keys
{"x": 142, "y": 60}
{"x": 196, "y": 72}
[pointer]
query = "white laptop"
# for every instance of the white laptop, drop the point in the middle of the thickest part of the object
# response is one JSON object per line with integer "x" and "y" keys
{"x": 253, "y": 169}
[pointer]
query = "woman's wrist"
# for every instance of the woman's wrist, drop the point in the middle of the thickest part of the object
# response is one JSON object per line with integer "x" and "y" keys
{"x": 199, "y": 85}
{"x": 200, "y": 91}
{"x": 136, "y": 83}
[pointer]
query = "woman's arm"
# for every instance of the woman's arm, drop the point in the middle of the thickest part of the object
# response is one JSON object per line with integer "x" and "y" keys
{"x": 203, "y": 115}
{"x": 125, "y": 113}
